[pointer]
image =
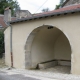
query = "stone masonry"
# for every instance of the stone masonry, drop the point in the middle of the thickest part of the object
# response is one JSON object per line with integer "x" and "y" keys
{"x": 71, "y": 2}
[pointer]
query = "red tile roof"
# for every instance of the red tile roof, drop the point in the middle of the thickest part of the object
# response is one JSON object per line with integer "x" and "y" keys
{"x": 64, "y": 10}
{"x": 68, "y": 9}
{"x": 73, "y": 7}
{"x": 2, "y": 23}
{"x": 13, "y": 18}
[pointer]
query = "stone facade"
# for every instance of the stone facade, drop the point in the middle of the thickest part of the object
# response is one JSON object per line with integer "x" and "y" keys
{"x": 71, "y": 2}
{"x": 23, "y": 14}
{"x": 31, "y": 47}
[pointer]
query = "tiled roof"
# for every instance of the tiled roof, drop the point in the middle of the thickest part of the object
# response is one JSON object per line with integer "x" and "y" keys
{"x": 69, "y": 9}
{"x": 13, "y": 18}
{"x": 73, "y": 7}
{"x": 2, "y": 23}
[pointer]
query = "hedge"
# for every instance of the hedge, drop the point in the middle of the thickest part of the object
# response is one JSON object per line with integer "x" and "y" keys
{"x": 1, "y": 44}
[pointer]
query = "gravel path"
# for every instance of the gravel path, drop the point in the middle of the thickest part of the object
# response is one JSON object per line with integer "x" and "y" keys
{"x": 38, "y": 73}
{"x": 5, "y": 76}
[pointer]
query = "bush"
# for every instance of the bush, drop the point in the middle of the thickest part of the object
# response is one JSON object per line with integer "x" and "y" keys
{"x": 1, "y": 44}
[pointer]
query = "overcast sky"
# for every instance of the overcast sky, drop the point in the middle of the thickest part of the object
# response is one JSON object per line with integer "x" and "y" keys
{"x": 34, "y": 5}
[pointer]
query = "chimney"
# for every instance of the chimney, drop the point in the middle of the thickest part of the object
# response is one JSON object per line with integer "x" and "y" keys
{"x": 7, "y": 14}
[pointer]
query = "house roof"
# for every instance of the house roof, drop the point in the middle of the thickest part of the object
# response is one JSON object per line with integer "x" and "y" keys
{"x": 64, "y": 10}
{"x": 2, "y": 23}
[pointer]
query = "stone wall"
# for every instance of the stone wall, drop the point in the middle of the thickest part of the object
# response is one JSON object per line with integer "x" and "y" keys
{"x": 23, "y": 14}
{"x": 71, "y": 2}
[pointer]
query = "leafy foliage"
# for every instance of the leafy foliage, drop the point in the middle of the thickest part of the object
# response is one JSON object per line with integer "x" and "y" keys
{"x": 8, "y": 3}
{"x": 1, "y": 44}
{"x": 60, "y": 4}
{"x": 45, "y": 10}
{"x": 57, "y": 6}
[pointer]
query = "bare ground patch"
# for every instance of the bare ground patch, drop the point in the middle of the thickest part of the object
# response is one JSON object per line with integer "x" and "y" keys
{"x": 2, "y": 63}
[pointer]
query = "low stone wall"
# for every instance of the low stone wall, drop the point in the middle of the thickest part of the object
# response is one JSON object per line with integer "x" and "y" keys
{"x": 47, "y": 64}
{"x": 52, "y": 63}
{"x": 64, "y": 62}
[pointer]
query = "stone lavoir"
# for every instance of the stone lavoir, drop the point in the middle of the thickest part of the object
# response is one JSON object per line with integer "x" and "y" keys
{"x": 45, "y": 40}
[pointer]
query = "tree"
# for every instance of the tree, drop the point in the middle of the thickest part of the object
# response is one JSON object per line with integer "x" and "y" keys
{"x": 45, "y": 10}
{"x": 1, "y": 44}
{"x": 13, "y": 4}
{"x": 59, "y": 5}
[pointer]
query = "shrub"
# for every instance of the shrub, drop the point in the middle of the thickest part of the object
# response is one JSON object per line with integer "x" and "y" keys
{"x": 1, "y": 44}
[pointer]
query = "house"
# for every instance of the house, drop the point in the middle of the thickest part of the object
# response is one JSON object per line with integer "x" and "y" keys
{"x": 19, "y": 14}
{"x": 70, "y": 3}
{"x": 2, "y": 23}
{"x": 50, "y": 36}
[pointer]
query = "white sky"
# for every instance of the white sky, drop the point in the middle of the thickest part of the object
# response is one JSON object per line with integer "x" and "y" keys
{"x": 34, "y": 5}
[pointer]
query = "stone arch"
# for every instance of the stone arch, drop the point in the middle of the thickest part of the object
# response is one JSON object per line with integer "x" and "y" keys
{"x": 28, "y": 45}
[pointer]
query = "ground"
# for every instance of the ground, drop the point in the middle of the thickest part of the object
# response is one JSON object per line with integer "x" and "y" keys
{"x": 2, "y": 63}
{"x": 15, "y": 77}
{"x": 56, "y": 73}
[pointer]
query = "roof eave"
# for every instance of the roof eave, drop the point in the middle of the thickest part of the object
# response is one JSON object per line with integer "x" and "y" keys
{"x": 45, "y": 15}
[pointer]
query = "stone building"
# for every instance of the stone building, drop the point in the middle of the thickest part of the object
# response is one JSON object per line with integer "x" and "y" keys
{"x": 70, "y": 3}
{"x": 19, "y": 14}
{"x": 22, "y": 14}
{"x": 51, "y": 38}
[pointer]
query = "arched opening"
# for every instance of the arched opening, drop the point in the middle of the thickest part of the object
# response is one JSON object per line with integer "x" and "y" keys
{"x": 47, "y": 47}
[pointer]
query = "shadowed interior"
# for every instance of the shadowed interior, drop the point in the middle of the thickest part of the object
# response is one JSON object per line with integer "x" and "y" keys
{"x": 48, "y": 48}
{"x": 49, "y": 44}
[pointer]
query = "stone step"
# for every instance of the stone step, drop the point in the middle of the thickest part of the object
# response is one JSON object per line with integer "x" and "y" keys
{"x": 47, "y": 64}
{"x": 52, "y": 63}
